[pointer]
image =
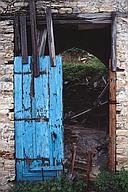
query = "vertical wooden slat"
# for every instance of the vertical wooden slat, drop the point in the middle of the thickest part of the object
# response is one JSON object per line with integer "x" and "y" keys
{"x": 112, "y": 118}
{"x": 18, "y": 79}
{"x": 42, "y": 42}
{"x": 23, "y": 32}
{"x": 50, "y": 37}
{"x": 17, "y": 37}
{"x": 34, "y": 38}
{"x": 114, "y": 33}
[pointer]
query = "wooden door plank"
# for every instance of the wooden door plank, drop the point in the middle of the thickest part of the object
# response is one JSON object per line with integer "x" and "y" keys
{"x": 24, "y": 47}
{"x": 18, "y": 65}
{"x": 26, "y": 96}
{"x": 50, "y": 37}
{"x": 41, "y": 91}
{"x": 17, "y": 37}
{"x": 26, "y": 86}
{"x": 55, "y": 77}
{"x": 59, "y": 108}
{"x": 19, "y": 126}
{"x": 34, "y": 38}
{"x": 28, "y": 139}
{"x": 42, "y": 140}
{"x": 18, "y": 79}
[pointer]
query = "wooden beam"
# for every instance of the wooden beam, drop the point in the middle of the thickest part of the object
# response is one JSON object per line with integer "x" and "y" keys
{"x": 94, "y": 15}
{"x": 90, "y": 26}
{"x": 35, "y": 63}
{"x": 112, "y": 118}
{"x": 23, "y": 32}
{"x": 17, "y": 37}
{"x": 114, "y": 36}
{"x": 50, "y": 37}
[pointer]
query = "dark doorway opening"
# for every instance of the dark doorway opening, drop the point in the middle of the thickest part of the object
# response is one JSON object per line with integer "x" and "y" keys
{"x": 82, "y": 47}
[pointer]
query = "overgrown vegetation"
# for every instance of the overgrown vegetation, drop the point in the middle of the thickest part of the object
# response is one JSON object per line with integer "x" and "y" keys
{"x": 78, "y": 65}
{"x": 63, "y": 184}
{"x": 105, "y": 182}
{"x": 112, "y": 182}
{"x": 85, "y": 77}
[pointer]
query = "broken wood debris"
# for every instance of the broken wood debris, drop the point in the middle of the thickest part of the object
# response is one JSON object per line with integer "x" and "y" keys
{"x": 95, "y": 104}
{"x": 82, "y": 169}
{"x": 42, "y": 42}
{"x": 50, "y": 37}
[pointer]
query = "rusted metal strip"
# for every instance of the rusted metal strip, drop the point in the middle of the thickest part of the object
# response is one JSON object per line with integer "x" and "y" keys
{"x": 23, "y": 32}
{"x": 27, "y": 73}
{"x": 35, "y": 64}
{"x": 17, "y": 37}
{"x": 32, "y": 159}
{"x": 40, "y": 119}
{"x": 50, "y": 37}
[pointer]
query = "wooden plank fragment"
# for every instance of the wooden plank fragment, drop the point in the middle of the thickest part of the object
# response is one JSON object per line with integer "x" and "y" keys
{"x": 42, "y": 42}
{"x": 34, "y": 38}
{"x": 50, "y": 37}
{"x": 17, "y": 37}
{"x": 24, "y": 47}
{"x": 112, "y": 119}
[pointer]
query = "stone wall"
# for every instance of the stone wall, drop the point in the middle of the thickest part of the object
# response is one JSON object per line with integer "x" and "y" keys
{"x": 7, "y": 162}
{"x": 122, "y": 93}
{"x": 66, "y": 6}
{"x": 7, "y": 149}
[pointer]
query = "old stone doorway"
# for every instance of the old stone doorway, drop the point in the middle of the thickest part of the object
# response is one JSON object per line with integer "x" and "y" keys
{"x": 86, "y": 37}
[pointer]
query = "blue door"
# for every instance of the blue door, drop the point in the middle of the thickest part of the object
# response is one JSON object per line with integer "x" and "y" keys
{"x": 38, "y": 120}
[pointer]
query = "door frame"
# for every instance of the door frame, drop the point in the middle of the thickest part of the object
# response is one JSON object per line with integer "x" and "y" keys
{"x": 96, "y": 19}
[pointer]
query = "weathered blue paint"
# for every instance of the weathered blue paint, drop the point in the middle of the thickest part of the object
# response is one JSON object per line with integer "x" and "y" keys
{"x": 38, "y": 120}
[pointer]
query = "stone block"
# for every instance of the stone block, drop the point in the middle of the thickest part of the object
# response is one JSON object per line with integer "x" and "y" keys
{"x": 65, "y": 10}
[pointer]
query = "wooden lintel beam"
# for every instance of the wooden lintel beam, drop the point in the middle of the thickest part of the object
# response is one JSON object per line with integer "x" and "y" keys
{"x": 94, "y": 15}
{"x": 23, "y": 32}
{"x": 70, "y": 16}
{"x": 51, "y": 43}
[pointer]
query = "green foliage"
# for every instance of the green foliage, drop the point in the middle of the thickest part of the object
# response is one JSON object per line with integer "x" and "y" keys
{"x": 112, "y": 182}
{"x": 93, "y": 67}
{"x": 62, "y": 184}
